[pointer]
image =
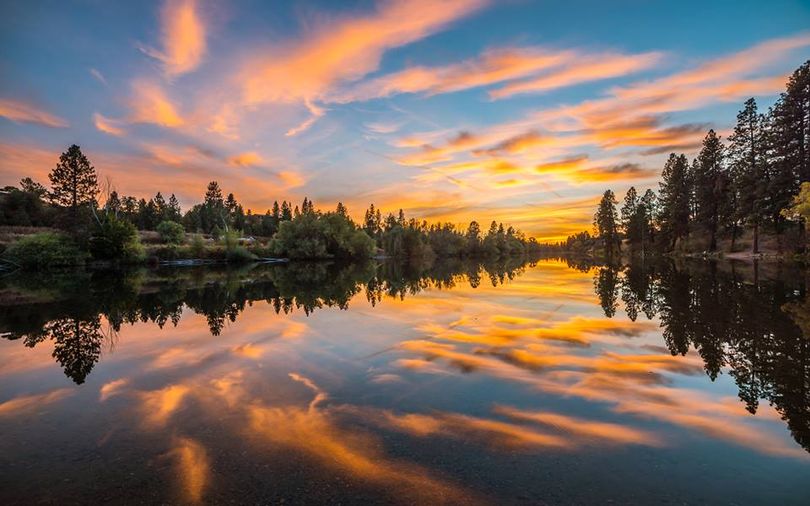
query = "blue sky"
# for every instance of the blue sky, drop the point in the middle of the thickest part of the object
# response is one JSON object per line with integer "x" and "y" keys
{"x": 519, "y": 111}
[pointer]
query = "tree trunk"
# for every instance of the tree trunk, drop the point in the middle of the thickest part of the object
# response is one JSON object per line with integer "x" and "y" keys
{"x": 733, "y": 236}
{"x": 755, "y": 246}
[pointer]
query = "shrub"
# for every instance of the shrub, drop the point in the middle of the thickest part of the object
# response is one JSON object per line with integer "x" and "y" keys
{"x": 45, "y": 250}
{"x": 197, "y": 248}
{"x": 314, "y": 235}
{"x": 116, "y": 240}
{"x": 239, "y": 255}
{"x": 171, "y": 232}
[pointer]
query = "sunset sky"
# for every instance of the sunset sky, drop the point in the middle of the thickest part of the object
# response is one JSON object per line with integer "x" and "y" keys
{"x": 520, "y": 111}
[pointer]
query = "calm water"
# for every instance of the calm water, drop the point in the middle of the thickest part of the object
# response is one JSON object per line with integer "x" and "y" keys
{"x": 549, "y": 383}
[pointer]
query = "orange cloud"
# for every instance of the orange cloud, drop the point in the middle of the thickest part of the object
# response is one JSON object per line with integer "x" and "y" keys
{"x": 493, "y": 66}
{"x": 108, "y": 125}
{"x": 192, "y": 467}
{"x": 150, "y": 104}
{"x": 183, "y": 34}
{"x": 247, "y": 159}
{"x": 112, "y": 388}
{"x": 313, "y": 432}
{"x": 24, "y": 112}
{"x": 584, "y": 69}
{"x": 159, "y": 405}
{"x": 28, "y": 403}
{"x": 598, "y": 431}
{"x": 345, "y": 49}
{"x": 516, "y": 144}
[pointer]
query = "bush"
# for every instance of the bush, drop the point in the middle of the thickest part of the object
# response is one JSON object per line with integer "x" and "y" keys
{"x": 313, "y": 235}
{"x": 45, "y": 250}
{"x": 171, "y": 232}
{"x": 197, "y": 248}
{"x": 239, "y": 255}
{"x": 116, "y": 240}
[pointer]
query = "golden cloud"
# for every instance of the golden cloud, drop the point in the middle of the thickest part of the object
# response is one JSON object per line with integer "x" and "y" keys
{"x": 24, "y": 112}
{"x": 183, "y": 34}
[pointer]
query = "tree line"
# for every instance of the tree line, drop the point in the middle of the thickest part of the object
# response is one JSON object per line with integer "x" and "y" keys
{"x": 98, "y": 223}
{"x": 757, "y": 180}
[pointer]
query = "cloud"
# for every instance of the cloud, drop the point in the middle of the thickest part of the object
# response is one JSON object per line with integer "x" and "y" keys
{"x": 344, "y": 49}
{"x": 515, "y": 144}
{"x": 618, "y": 172}
{"x": 28, "y": 403}
{"x": 192, "y": 467}
{"x": 247, "y": 159}
{"x": 108, "y": 126}
{"x": 183, "y": 34}
{"x": 315, "y": 111}
{"x": 98, "y": 76}
{"x": 24, "y": 112}
{"x": 159, "y": 405}
{"x": 557, "y": 68}
{"x": 112, "y": 388}
{"x": 584, "y": 69}
{"x": 149, "y": 104}
{"x": 493, "y": 66}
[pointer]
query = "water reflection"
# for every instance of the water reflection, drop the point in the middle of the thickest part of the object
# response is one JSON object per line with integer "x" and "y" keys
{"x": 756, "y": 328}
{"x": 448, "y": 383}
{"x": 68, "y": 308}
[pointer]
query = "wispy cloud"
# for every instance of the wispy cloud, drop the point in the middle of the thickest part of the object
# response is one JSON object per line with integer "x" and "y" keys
{"x": 183, "y": 37}
{"x": 150, "y": 104}
{"x": 98, "y": 76}
{"x": 24, "y": 112}
{"x": 345, "y": 49}
{"x": 107, "y": 125}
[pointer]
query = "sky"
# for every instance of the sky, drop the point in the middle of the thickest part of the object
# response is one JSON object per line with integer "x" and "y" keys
{"x": 518, "y": 111}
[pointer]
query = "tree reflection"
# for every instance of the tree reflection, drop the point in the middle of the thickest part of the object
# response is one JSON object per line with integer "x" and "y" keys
{"x": 70, "y": 309}
{"x": 758, "y": 330}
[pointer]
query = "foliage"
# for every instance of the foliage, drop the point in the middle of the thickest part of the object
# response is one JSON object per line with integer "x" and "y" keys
{"x": 171, "y": 232}
{"x": 800, "y": 206}
{"x": 73, "y": 180}
{"x": 315, "y": 235}
{"x": 117, "y": 240}
{"x": 606, "y": 222}
{"x": 45, "y": 250}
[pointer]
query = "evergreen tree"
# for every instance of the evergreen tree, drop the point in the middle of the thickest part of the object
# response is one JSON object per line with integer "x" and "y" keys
{"x": 606, "y": 223}
{"x": 372, "y": 222}
{"x": 28, "y": 185}
{"x": 174, "y": 212}
{"x": 629, "y": 212}
{"x": 711, "y": 188}
{"x": 286, "y": 211}
{"x": 674, "y": 197}
{"x": 73, "y": 181}
{"x": 748, "y": 170}
{"x": 161, "y": 209}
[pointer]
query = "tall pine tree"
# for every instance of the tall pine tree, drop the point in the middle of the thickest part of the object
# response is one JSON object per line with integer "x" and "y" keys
{"x": 746, "y": 152}
{"x": 674, "y": 199}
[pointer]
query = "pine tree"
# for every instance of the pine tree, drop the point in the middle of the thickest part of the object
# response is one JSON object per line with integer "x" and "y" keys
{"x": 674, "y": 198}
{"x": 161, "y": 209}
{"x": 286, "y": 211}
{"x": 711, "y": 188}
{"x": 174, "y": 211}
{"x": 73, "y": 181}
{"x": 629, "y": 223}
{"x": 606, "y": 222}
{"x": 748, "y": 170}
